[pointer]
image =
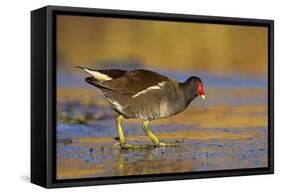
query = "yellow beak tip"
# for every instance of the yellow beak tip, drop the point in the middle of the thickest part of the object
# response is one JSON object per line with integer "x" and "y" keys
{"x": 203, "y": 97}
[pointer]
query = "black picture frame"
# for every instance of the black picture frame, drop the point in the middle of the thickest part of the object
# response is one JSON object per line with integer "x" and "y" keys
{"x": 43, "y": 95}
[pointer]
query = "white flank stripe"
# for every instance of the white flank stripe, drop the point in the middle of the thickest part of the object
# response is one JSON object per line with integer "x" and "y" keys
{"x": 99, "y": 76}
{"x": 157, "y": 87}
{"x": 161, "y": 84}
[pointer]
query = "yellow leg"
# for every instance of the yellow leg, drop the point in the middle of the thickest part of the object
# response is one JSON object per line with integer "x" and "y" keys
{"x": 120, "y": 130}
{"x": 154, "y": 139}
{"x": 122, "y": 139}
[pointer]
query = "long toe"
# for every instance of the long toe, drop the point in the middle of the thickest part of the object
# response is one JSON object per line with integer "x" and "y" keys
{"x": 140, "y": 146}
{"x": 168, "y": 144}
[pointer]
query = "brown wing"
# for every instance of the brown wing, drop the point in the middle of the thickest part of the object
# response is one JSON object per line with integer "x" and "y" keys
{"x": 134, "y": 81}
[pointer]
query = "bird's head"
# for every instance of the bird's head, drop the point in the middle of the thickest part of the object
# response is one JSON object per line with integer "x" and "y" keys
{"x": 193, "y": 87}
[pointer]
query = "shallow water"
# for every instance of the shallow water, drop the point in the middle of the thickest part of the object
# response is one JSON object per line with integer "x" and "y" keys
{"x": 227, "y": 131}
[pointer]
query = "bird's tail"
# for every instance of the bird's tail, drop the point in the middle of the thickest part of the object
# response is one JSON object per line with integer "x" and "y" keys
{"x": 98, "y": 75}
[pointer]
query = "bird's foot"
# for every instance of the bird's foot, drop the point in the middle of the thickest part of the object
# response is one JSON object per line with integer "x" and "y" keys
{"x": 168, "y": 144}
{"x": 136, "y": 146}
{"x": 150, "y": 146}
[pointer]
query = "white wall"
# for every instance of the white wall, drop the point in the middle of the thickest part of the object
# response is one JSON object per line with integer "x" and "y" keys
{"x": 14, "y": 90}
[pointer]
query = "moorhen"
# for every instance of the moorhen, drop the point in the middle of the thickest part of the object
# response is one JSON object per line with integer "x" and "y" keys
{"x": 146, "y": 95}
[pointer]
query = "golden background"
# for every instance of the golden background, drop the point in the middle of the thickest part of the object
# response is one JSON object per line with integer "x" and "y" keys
{"x": 88, "y": 41}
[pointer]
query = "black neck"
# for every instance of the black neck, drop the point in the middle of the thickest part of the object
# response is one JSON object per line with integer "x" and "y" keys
{"x": 189, "y": 92}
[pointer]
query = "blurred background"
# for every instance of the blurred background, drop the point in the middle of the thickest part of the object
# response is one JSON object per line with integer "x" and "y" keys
{"x": 228, "y": 49}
